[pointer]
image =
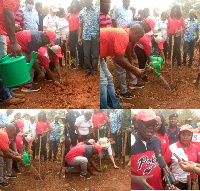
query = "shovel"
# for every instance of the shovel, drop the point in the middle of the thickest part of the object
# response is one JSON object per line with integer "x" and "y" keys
{"x": 189, "y": 181}
{"x": 39, "y": 154}
{"x": 61, "y": 165}
{"x": 124, "y": 148}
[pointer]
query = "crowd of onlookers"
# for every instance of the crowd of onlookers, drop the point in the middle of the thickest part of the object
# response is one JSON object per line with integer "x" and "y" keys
{"x": 178, "y": 143}
{"x": 66, "y": 36}
{"x": 132, "y": 37}
{"x": 80, "y": 135}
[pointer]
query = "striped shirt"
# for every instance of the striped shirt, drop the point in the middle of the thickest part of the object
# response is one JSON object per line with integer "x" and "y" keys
{"x": 105, "y": 20}
{"x": 19, "y": 19}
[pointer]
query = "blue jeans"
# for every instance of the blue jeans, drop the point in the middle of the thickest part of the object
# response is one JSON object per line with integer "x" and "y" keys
{"x": 107, "y": 90}
{"x": 5, "y": 93}
{"x": 91, "y": 48}
{"x": 177, "y": 48}
{"x": 188, "y": 47}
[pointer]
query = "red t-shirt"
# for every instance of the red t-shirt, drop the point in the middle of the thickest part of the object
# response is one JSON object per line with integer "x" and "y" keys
{"x": 42, "y": 126}
{"x": 175, "y": 24}
{"x": 4, "y": 141}
{"x": 99, "y": 118}
{"x": 164, "y": 142}
{"x": 23, "y": 38}
{"x": 73, "y": 20}
{"x": 145, "y": 43}
{"x": 44, "y": 57}
{"x": 8, "y": 4}
{"x": 113, "y": 40}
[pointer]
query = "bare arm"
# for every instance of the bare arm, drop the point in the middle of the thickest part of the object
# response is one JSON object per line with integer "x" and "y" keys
{"x": 10, "y": 28}
{"x": 141, "y": 181}
{"x": 8, "y": 154}
{"x": 80, "y": 31}
{"x": 57, "y": 66}
{"x": 114, "y": 23}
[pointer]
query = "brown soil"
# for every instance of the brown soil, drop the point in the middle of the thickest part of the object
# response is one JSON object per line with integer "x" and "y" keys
{"x": 81, "y": 92}
{"x": 183, "y": 93}
{"x": 107, "y": 180}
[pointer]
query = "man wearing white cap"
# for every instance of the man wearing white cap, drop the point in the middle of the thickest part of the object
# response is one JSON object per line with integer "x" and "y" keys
{"x": 191, "y": 35}
{"x": 48, "y": 55}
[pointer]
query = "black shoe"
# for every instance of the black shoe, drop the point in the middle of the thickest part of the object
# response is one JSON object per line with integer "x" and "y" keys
{"x": 4, "y": 184}
{"x": 87, "y": 74}
{"x": 87, "y": 176}
{"x": 127, "y": 95}
{"x": 79, "y": 69}
{"x": 136, "y": 86}
{"x": 17, "y": 171}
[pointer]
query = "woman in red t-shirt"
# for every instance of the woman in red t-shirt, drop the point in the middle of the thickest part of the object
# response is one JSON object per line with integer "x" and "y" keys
{"x": 73, "y": 19}
{"x": 42, "y": 130}
{"x": 176, "y": 26}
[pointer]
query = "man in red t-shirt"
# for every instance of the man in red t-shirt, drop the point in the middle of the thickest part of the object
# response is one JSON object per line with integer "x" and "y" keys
{"x": 116, "y": 42}
{"x": 5, "y": 135}
{"x": 48, "y": 55}
{"x": 7, "y": 27}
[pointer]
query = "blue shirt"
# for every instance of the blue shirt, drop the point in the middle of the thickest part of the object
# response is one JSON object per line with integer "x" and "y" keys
{"x": 115, "y": 120}
{"x": 31, "y": 19}
{"x": 90, "y": 20}
{"x": 122, "y": 15}
{"x": 4, "y": 119}
{"x": 56, "y": 130}
{"x": 190, "y": 29}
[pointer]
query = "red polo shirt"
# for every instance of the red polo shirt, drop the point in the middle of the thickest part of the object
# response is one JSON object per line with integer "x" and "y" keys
{"x": 44, "y": 57}
{"x": 164, "y": 142}
{"x": 145, "y": 43}
{"x": 42, "y": 126}
{"x": 113, "y": 40}
{"x": 4, "y": 141}
{"x": 99, "y": 118}
{"x": 175, "y": 24}
{"x": 8, "y": 4}
{"x": 73, "y": 20}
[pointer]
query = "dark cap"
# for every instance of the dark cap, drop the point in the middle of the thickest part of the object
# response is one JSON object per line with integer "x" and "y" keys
{"x": 173, "y": 115}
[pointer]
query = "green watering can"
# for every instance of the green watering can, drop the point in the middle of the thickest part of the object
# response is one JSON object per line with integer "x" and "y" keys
{"x": 14, "y": 70}
{"x": 26, "y": 159}
{"x": 157, "y": 64}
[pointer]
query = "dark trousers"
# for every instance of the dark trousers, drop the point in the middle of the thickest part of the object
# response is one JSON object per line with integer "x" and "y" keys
{"x": 101, "y": 133}
{"x": 188, "y": 48}
{"x": 53, "y": 146}
{"x": 73, "y": 138}
{"x": 43, "y": 146}
{"x": 33, "y": 148}
{"x": 74, "y": 46}
{"x": 141, "y": 56}
{"x": 91, "y": 47}
{"x": 183, "y": 186}
{"x": 176, "y": 49}
{"x": 118, "y": 144}
{"x": 83, "y": 138}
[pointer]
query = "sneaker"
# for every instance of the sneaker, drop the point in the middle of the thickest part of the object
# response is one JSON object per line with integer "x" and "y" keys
{"x": 10, "y": 177}
{"x": 136, "y": 86}
{"x": 127, "y": 95}
{"x": 87, "y": 176}
{"x": 33, "y": 88}
{"x": 4, "y": 184}
{"x": 17, "y": 171}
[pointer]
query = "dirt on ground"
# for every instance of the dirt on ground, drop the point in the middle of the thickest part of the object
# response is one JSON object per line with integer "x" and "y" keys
{"x": 81, "y": 92}
{"x": 109, "y": 179}
{"x": 183, "y": 94}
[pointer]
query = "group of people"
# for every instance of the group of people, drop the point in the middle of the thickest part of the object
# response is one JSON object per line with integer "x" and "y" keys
{"x": 28, "y": 29}
{"x": 137, "y": 37}
{"x": 80, "y": 136}
{"x": 174, "y": 142}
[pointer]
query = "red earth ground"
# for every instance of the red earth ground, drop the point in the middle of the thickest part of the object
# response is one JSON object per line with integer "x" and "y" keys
{"x": 107, "y": 180}
{"x": 183, "y": 94}
{"x": 80, "y": 93}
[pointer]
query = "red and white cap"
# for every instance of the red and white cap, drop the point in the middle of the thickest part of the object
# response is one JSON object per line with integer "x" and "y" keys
{"x": 151, "y": 23}
{"x": 186, "y": 127}
{"x": 57, "y": 50}
{"x": 159, "y": 40}
{"x": 51, "y": 35}
{"x": 147, "y": 115}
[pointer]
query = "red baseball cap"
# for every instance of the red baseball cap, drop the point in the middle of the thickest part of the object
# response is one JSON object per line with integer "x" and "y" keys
{"x": 98, "y": 148}
{"x": 20, "y": 124}
{"x": 151, "y": 23}
{"x": 160, "y": 41}
{"x": 147, "y": 115}
{"x": 51, "y": 36}
{"x": 186, "y": 127}
{"x": 57, "y": 50}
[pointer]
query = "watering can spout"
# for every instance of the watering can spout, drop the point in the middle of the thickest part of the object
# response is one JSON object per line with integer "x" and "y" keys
{"x": 34, "y": 56}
